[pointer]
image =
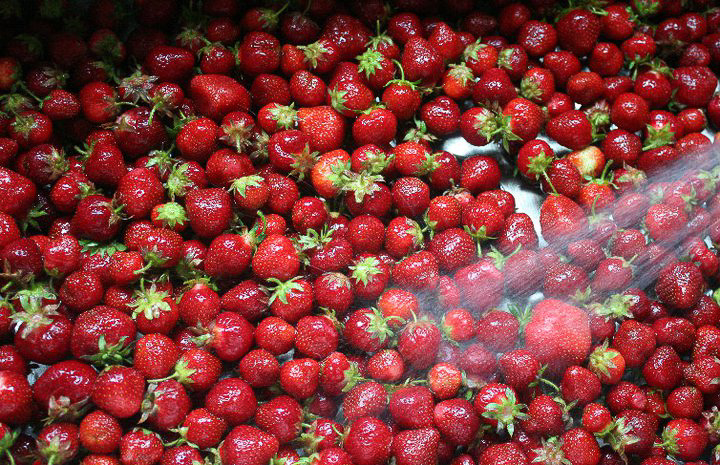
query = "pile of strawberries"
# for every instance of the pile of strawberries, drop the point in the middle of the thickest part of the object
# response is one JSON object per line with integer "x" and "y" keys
{"x": 229, "y": 233}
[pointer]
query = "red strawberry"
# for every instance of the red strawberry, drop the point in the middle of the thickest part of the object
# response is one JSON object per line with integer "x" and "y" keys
{"x": 216, "y": 95}
{"x": 561, "y": 218}
{"x": 245, "y": 445}
{"x": 368, "y": 441}
{"x": 231, "y": 399}
{"x": 684, "y": 439}
{"x": 504, "y": 453}
{"x": 694, "y": 85}
{"x": 119, "y": 391}
{"x": 680, "y": 285}
{"x": 17, "y": 193}
{"x": 300, "y": 377}
{"x": 366, "y": 399}
{"x": 578, "y": 31}
{"x": 558, "y": 333}
{"x": 99, "y": 432}
{"x": 17, "y": 406}
{"x": 571, "y": 129}
{"x": 209, "y": 211}
{"x": 324, "y": 127}
{"x": 281, "y": 417}
{"x": 457, "y": 420}
{"x": 276, "y": 257}
{"x": 419, "y": 446}
{"x": 421, "y": 61}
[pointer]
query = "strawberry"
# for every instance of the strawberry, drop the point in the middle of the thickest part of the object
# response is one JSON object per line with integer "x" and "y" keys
{"x": 497, "y": 406}
{"x": 684, "y": 439}
{"x": 367, "y": 330}
{"x": 323, "y": 126}
{"x": 259, "y": 368}
{"x": 494, "y": 85}
{"x": 246, "y": 445}
{"x": 571, "y": 129}
{"x": 421, "y": 61}
{"x": 417, "y": 446}
{"x": 665, "y": 222}
{"x": 18, "y": 407}
{"x": 498, "y": 454}
{"x": 102, "y": 335}
{"x": 99, "y": 432}
{"x": 232, "y": 399}
{"x": 216, "y": 95}
{"x": 58, "y": 442}
{"x": 402, "y": 98}
{"x": 537, "y": 38}
{"x": 169, "y": 63}
{"x": 18, "y": 193}
{"x": 209, "y": 211}
{"x": 276, "y": 258}
{"x": 560, "y": 217}
{"x": 525, "y": 120}
{"x": 228, "y": 256}
{"x": 30, "y": 128}
{"x": 368, "y": 441}
{"x": 558, "y": 340}
{"x": 119, "y": 391}
{"x": 693, "y": 85}
{"x": 635, "y": 342}
{"x": 386, "y": 365}
{"x": 281, "y": 417}
{"x": 300, "y": 377}
{"x": 456, "y": 420}
{"x": 537, "y": 85}
{"x": 366, "y": 399}
{"x": 680, "y": 285}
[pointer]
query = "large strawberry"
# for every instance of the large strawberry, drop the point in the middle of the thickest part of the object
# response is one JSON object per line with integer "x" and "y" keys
{"x": 246, "y": 445}
{"x": 558, "y": 334}
{"x": 578, "y": 31}
{"x": 216, "y": 95}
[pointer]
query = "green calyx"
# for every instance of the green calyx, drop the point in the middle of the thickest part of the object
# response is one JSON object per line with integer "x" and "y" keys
{"x": 281, "y": 290}
{"x": 419, "y": 133}
{"x": 602, "y": 359}
{"x": 238, "y": 135}
{"x": 359, "y": 184}
{"x": 137, "y": 86}
{"x": 182, "y": 373}
{"x": 313, "y": 53}
{"x": 364, "y": 269}
{"x": 619, "y": 437}
{"x": 38, "y": 305}
{"x": 376, "y": 160}
{"x": 550, "y": 452}
{"x": 506, "y": 411}
{"x": 285, "y": 116}
{"x": 539, "y": 164}
{"x": 530, "y": 88}
{"x": 313, "y": 240}
{"x": 61, "y": 409}
{"x": 150, "y": 303}
{"x": 658, "y": 137}
{"x": 471, "y": 51}
{"x": 107, "y": 355}
{"x": 240, "y": 186}
{"x": 378, "y": 325}
{"x": 109, "y": 249}
{"x": 172, "y": 214}
{"x": 370, "y": 61}
{"x": 178, "y": 182}
{"x": 615, "y": 307}
{"x": 461, "y": 73}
